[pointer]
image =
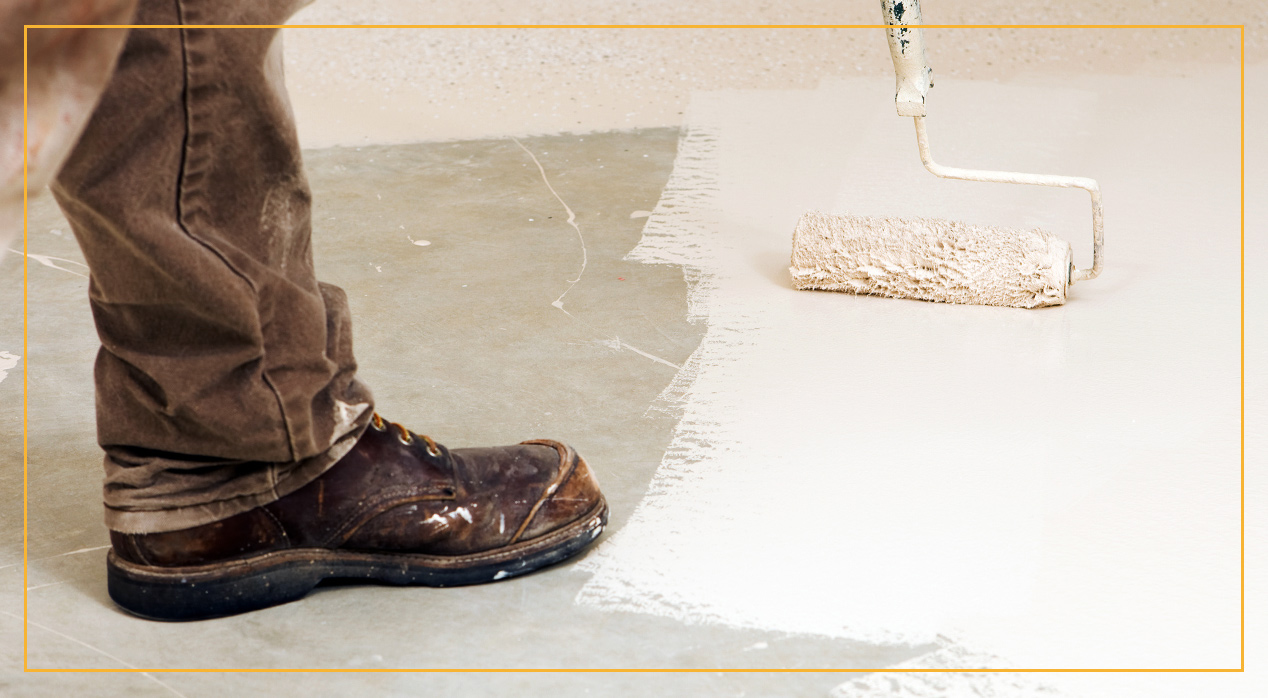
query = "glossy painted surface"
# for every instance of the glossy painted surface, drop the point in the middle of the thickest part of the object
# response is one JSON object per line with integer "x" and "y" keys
{"x": 1048, "y": 484}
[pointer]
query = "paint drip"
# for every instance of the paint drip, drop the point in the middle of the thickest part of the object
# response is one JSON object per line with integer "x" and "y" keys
{"x": 7, "y": 362}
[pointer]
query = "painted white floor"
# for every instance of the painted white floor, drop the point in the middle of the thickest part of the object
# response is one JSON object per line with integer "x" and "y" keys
{"x": 1051, "y": 488}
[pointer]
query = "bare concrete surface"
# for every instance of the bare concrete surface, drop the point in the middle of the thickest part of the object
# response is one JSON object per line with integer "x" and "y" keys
{"x": 459, "y": 339}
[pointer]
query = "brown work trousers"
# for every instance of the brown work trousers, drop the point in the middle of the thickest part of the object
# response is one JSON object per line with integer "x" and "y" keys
{"x": 226, "y": 377}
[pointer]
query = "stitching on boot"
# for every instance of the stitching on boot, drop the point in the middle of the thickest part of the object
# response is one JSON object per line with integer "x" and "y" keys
{"x": 387, "y": 501}
{"x": 280, "y": 528}
{"x": 134, "y": 544}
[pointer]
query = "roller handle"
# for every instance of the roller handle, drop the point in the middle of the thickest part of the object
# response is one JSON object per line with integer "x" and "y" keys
{"x": 913, "y": 76}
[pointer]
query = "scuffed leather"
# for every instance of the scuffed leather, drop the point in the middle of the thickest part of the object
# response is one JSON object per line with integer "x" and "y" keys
{"x": 574, "y": 497}
{"x": 389, "y": 496}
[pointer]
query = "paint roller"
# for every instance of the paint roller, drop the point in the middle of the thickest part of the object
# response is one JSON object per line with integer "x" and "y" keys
{"x": 935, "y": 259}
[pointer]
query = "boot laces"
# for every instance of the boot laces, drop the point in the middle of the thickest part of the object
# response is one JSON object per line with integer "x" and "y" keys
{"x": 404, "y": 435}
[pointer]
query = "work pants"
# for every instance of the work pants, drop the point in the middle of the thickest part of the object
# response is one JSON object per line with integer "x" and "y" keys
{"x": 226, "y": 376}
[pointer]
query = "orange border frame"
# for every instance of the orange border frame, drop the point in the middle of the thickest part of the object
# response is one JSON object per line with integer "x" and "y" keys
{"x": 26, "y": 354}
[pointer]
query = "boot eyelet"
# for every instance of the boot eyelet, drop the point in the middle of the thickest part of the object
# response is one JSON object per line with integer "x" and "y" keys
{"x": 433, "y": 452}
{"x": 405, "y": 438}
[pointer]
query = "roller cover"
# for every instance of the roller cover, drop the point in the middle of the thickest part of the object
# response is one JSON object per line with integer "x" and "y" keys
{"x": 930, "y": 259}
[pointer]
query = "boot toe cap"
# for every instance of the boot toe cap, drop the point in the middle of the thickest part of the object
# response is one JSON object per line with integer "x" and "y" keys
{"x": 574, "y": 495}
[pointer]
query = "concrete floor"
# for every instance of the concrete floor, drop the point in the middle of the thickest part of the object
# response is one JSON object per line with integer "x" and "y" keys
{"x": 459, "y": 339}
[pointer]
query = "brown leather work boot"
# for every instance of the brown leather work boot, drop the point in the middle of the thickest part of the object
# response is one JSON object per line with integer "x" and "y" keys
{"x": 399, "y": 508}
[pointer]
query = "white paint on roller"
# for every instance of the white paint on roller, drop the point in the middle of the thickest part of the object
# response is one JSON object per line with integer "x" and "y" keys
{"x": 7, "y": 362}
{"x": 1057, "y": 488}
{"x": 930, "y": 259}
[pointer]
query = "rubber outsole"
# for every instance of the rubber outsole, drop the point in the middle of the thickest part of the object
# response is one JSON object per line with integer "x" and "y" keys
{"x": 252, "y": 583}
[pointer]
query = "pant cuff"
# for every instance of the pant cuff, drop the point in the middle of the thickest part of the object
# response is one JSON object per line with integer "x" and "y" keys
{"x": 289, "y": 477}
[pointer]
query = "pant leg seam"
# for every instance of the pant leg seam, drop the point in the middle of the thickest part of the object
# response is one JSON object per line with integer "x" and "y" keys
{"x": 181, "y": 222}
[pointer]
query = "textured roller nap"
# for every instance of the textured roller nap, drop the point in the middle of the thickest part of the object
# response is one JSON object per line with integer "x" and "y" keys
{"x": 930, "y": 259}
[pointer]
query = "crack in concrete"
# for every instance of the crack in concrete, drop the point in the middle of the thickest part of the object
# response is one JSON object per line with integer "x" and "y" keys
{"x": 559, "y": 302}
{"x": 46, "y": 260}
{"x": 98, "y": 650}
{"x": 572, "y": 221}
{"x": 50, "y": 557}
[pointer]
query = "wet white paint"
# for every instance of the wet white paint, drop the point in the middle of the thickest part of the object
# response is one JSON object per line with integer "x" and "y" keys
{"x": 7, "y": 362}
{"x": 1055, "y": 487}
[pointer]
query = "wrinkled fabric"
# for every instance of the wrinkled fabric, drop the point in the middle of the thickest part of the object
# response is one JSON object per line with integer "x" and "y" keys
{"x": 226, "y": 377}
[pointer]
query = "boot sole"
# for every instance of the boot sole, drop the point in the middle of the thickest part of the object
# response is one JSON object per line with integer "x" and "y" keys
{"x": 249, "y": 584}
